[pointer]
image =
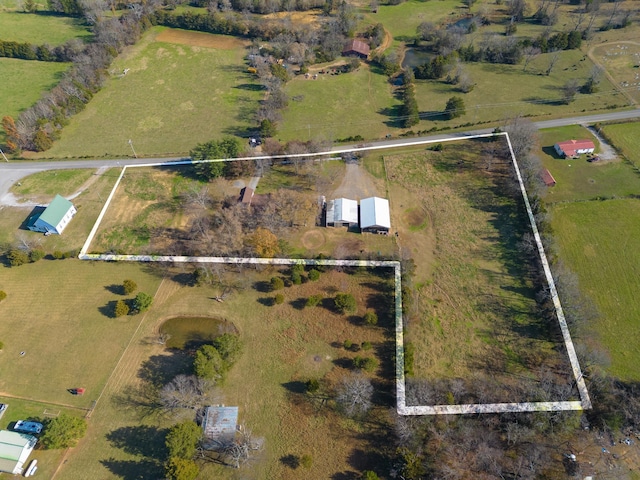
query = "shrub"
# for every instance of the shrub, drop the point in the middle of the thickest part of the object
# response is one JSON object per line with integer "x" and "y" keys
{"x": 182, "y": 439}
{"x": 279, "y": 299}
{"x": 36, "y": 254}
{"x": 1, "y": 345}
{"x": 347, "y": 344}
{"x": 296, "y": 278}
{"x": 57, "y": 255}
{"x": 121, "y": 309}
{"x": 63, "y": 431}
{"x": 312, "y": 385}
{"x": 70, "y": 254}
{"x": 314, "y": 274}
{"x": 370, "y": 318}
{"x": 370, "y": 475}
{"x": 277, "y": 283}
{"x": 306, "y": 461}
{"x": 142, "y": 302}
{"x": 181, "y": 469}
{"x": 366, "y": 346}
{"x": 229, "y": 346}
{"x": 129, "y": 286}
{"x": 297, "y": 268}
{"x": 3, "y": 295}
{"x": 345, "y": 302}
{"x": 313, "y": 300}
{"x": 17, "y": 257}
{"x": 365, "y": 363}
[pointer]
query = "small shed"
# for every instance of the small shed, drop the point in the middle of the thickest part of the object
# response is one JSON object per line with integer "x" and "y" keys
{"x": 547, "y": 178}
{"x": 246, "y": 195}
{"x": 356, "y": 48}
{"x": 54, "y": 218}
{"x": 15, "y": 449}
{"x": 374, "y": 215}
{"x": 574, "y": 148}
{"x": 220, "y": 424}
{"x": 342, "y": 212}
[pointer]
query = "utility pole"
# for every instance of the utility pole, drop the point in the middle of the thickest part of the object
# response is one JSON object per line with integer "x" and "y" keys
{"x": 132, "y": 149}
{"x": 4, "y": 156}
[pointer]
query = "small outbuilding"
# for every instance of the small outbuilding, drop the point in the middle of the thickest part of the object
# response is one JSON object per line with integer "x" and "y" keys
{"x": 574, "y": 148}
{"x": 547, "y": 178}
{"x": 342, "y": 212}
{"x": 54, "y": 218}
{"x": 374, "y": 215}
{"x": 15, "y": 449}
{"x": 356, "y": 48}
{"x": 220, "y": 424}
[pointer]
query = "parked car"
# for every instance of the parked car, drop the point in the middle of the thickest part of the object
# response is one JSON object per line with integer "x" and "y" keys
{"x": 3, "y": 407}
{"x": 25, "y": 426}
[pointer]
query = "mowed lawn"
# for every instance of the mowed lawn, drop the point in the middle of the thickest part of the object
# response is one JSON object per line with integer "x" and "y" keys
{"x": 174, "y": 96}
{"x": 339, "y": 106}
{"x": 55, "y": 313}
{"x": 626, "y": 136}
{"x": 600, "y": 241}
{"x": 41, "y": 28}
{"x": 24, "y": 81}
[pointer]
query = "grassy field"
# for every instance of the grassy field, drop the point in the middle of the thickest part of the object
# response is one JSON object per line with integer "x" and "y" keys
{"x": 339, "y": 106}
{"x": 621, "y": 61}
{"x": 51, "y": 182}
{"x": 23, "y": 82}
{"x": 40, "y": 29}
{"x": 626, "y": 136}
{"x": 180, "y": 90}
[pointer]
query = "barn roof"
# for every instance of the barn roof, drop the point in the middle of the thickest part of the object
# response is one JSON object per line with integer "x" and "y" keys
{"x": 570, "y": 147}
{"x": 357, "y": 46}
{"x": 342, "y": 210}
{"x": 374, "y": 212}
{"x": 220, "y": 423}
{"x": 547, "y": 178}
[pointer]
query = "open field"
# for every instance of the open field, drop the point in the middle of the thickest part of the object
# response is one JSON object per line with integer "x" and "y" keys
{"x": 88, "y": 203}
{"x": 24, "y": 81}
{"x": 474, "y": 315}
{"x": 600, "y": 242}
{"x": 339, "y": 106}
{"x": 40, "y": 28}
{"x": 622, "y": 61}
{"x": 173, "y": 97}
{"x": 52, "y": 182}
{"x": 626, "y": 136}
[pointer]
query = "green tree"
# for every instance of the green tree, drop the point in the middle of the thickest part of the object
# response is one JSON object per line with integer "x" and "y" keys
{"x": 268, "y": 128}
{"x": 280, "y": 72}
{"x": 229, "y": 347}
{"x": 314, "y": 275}
{"x": 276, "y": 283}
{"x": 42, "y": 141}
{"x": 121, "y": 308}
{"x": 313, "y": 301}
{"x": 17, "y": 257}
{"x": 182, "y": 439}
{"x": 142, "y": 302}
{"x": 129, "y": 286}
{"x": 345, "y": 302}
{"x": 228, "y": 147}
{"x": 296, "y": 278}
{"x": 370, "y": 474}
{"x": 209, "y": 364}
{"x": 63, "y": 431}
{"x": 1, "y": 345}
{"x": 36, "y": 254}
{"x": 306, "y": 461}
{"x": 454, "y": 108}
{"x": 3, "y": 295}
{"x": 278, "y": 299}
{"x": 368, "y": 364}
{"x": 370, "y": 318}
{"x": 181, "y": 469}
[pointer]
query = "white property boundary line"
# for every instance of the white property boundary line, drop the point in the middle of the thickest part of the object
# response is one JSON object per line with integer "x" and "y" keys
{"x": 402, "y": 407}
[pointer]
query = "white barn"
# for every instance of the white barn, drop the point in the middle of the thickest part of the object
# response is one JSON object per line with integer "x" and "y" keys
{"x": 54, "y": 218}
{"x": 342, "y": 212}
{"x": 15, "y": 449}
{"x": 374, "y": 215}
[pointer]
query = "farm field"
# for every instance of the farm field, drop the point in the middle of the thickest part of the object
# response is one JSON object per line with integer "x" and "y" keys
{"x": 474, "y": 316}
{"x": 284, "y": 345}
{"x": 626, "y": 136}
{"x": 339, "y": 106}
{"x": 151, "y": 106}
{"x": 40, "y": 28}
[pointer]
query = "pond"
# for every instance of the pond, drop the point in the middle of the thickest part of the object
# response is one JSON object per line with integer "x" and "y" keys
{"x": 413, "y": 58}
{"x": 193, "y": 332}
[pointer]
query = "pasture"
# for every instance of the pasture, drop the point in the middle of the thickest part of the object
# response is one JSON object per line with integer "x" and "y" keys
{"x": 622, "y": 62}
{"x": 180, "y": 89}
{"x": 339, "y": 106}
{"x": 626, "y": 137}
{"x": 40, "y": 28}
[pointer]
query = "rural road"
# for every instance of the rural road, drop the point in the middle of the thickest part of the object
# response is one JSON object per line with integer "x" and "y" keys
{"x": 11, "y": 172}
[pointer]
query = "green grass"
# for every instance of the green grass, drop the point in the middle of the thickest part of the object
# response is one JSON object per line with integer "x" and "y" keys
{"x": 24, "y": 81}
{"x": 338, "y": 106}
{"x": 626, "y": 136}
{"x": 40, "y": 29}
{"x": 52, "y": 182}
{"x": 173, "y": 97}
{"x": 600, "y": 241}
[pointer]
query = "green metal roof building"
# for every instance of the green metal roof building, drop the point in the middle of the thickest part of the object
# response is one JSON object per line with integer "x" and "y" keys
{"x": 54, "y": 218}
{"x": 15, "y": 449}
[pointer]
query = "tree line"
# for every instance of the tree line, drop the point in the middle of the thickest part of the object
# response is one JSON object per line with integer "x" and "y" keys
{"x": 44, "y": 53}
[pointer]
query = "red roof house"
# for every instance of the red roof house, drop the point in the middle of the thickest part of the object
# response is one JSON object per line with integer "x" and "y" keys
{"x": 573, "y": 148}
{"x": 547, "y": 178}
{"x": 358, "y": 48}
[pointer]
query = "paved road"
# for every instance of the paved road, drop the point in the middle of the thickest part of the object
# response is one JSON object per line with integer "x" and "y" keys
{"x": 11, "y": 172}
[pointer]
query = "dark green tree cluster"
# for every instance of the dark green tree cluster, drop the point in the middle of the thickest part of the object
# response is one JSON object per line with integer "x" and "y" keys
{"x": 228, "y": 147}
{"x": 28, "y": 51}
{"x": 63, "y": 431}
{"x": 410, "y": 111}
{"x": 182, "y": 443}
{"x": 345, "y": 303}
{"x": 433, "y": 69}
{"x": 212, "y": 362}
{"x": 559, "y": 41}
{"x": 454, "y": 108}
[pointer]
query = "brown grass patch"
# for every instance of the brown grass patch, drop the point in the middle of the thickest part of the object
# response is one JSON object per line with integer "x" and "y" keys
{"x": 199, "y": 39}
{"x": 299, "y": 18}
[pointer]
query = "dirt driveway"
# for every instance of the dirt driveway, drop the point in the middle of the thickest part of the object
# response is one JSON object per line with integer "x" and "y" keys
{"x": 357, "y": 184}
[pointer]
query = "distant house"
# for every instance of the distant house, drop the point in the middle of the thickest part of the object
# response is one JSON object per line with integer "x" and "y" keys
{"x": 357, "y": 48}
{"x": 54, "y": 218}
{"x": 15, "y": 449}
{"x": 219, "y": 425}
{"x": 573, "y": 148}
{"x": 374, "y": 215}
{"x": 547, "y": 178}
{"x": 342, "y": 212}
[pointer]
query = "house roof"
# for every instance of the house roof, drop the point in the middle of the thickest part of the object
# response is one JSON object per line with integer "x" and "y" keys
{"x": 56, "y": 210}
{"x": 571, "y": 146}
{"x": 220, "y": 422}
{"x": 547, "y": 178}
{"x": 357, "y": 46}
{"x": 342, "y": 210}
{"x": 374, "y": 212}
{"x": 15, "y": 448}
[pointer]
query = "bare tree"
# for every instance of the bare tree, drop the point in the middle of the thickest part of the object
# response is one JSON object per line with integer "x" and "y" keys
{"x": 529, "y": 54}
{"x": 243, "y": 448}
{"x": 186, "y": 392}
{"x": 569, "y": 91}
{"x": 553, "y": 59}
{"x": 523, "y": 135}
{"x": 354, "y": 393}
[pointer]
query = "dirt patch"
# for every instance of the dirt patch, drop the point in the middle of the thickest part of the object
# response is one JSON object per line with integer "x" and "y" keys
{"x": 415, "y": 218}
{"x": 198, "y": 39}
{"x": 313, "y": 239}
{"x": 357, "y": 184}
{"x": 299, "y": 18}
